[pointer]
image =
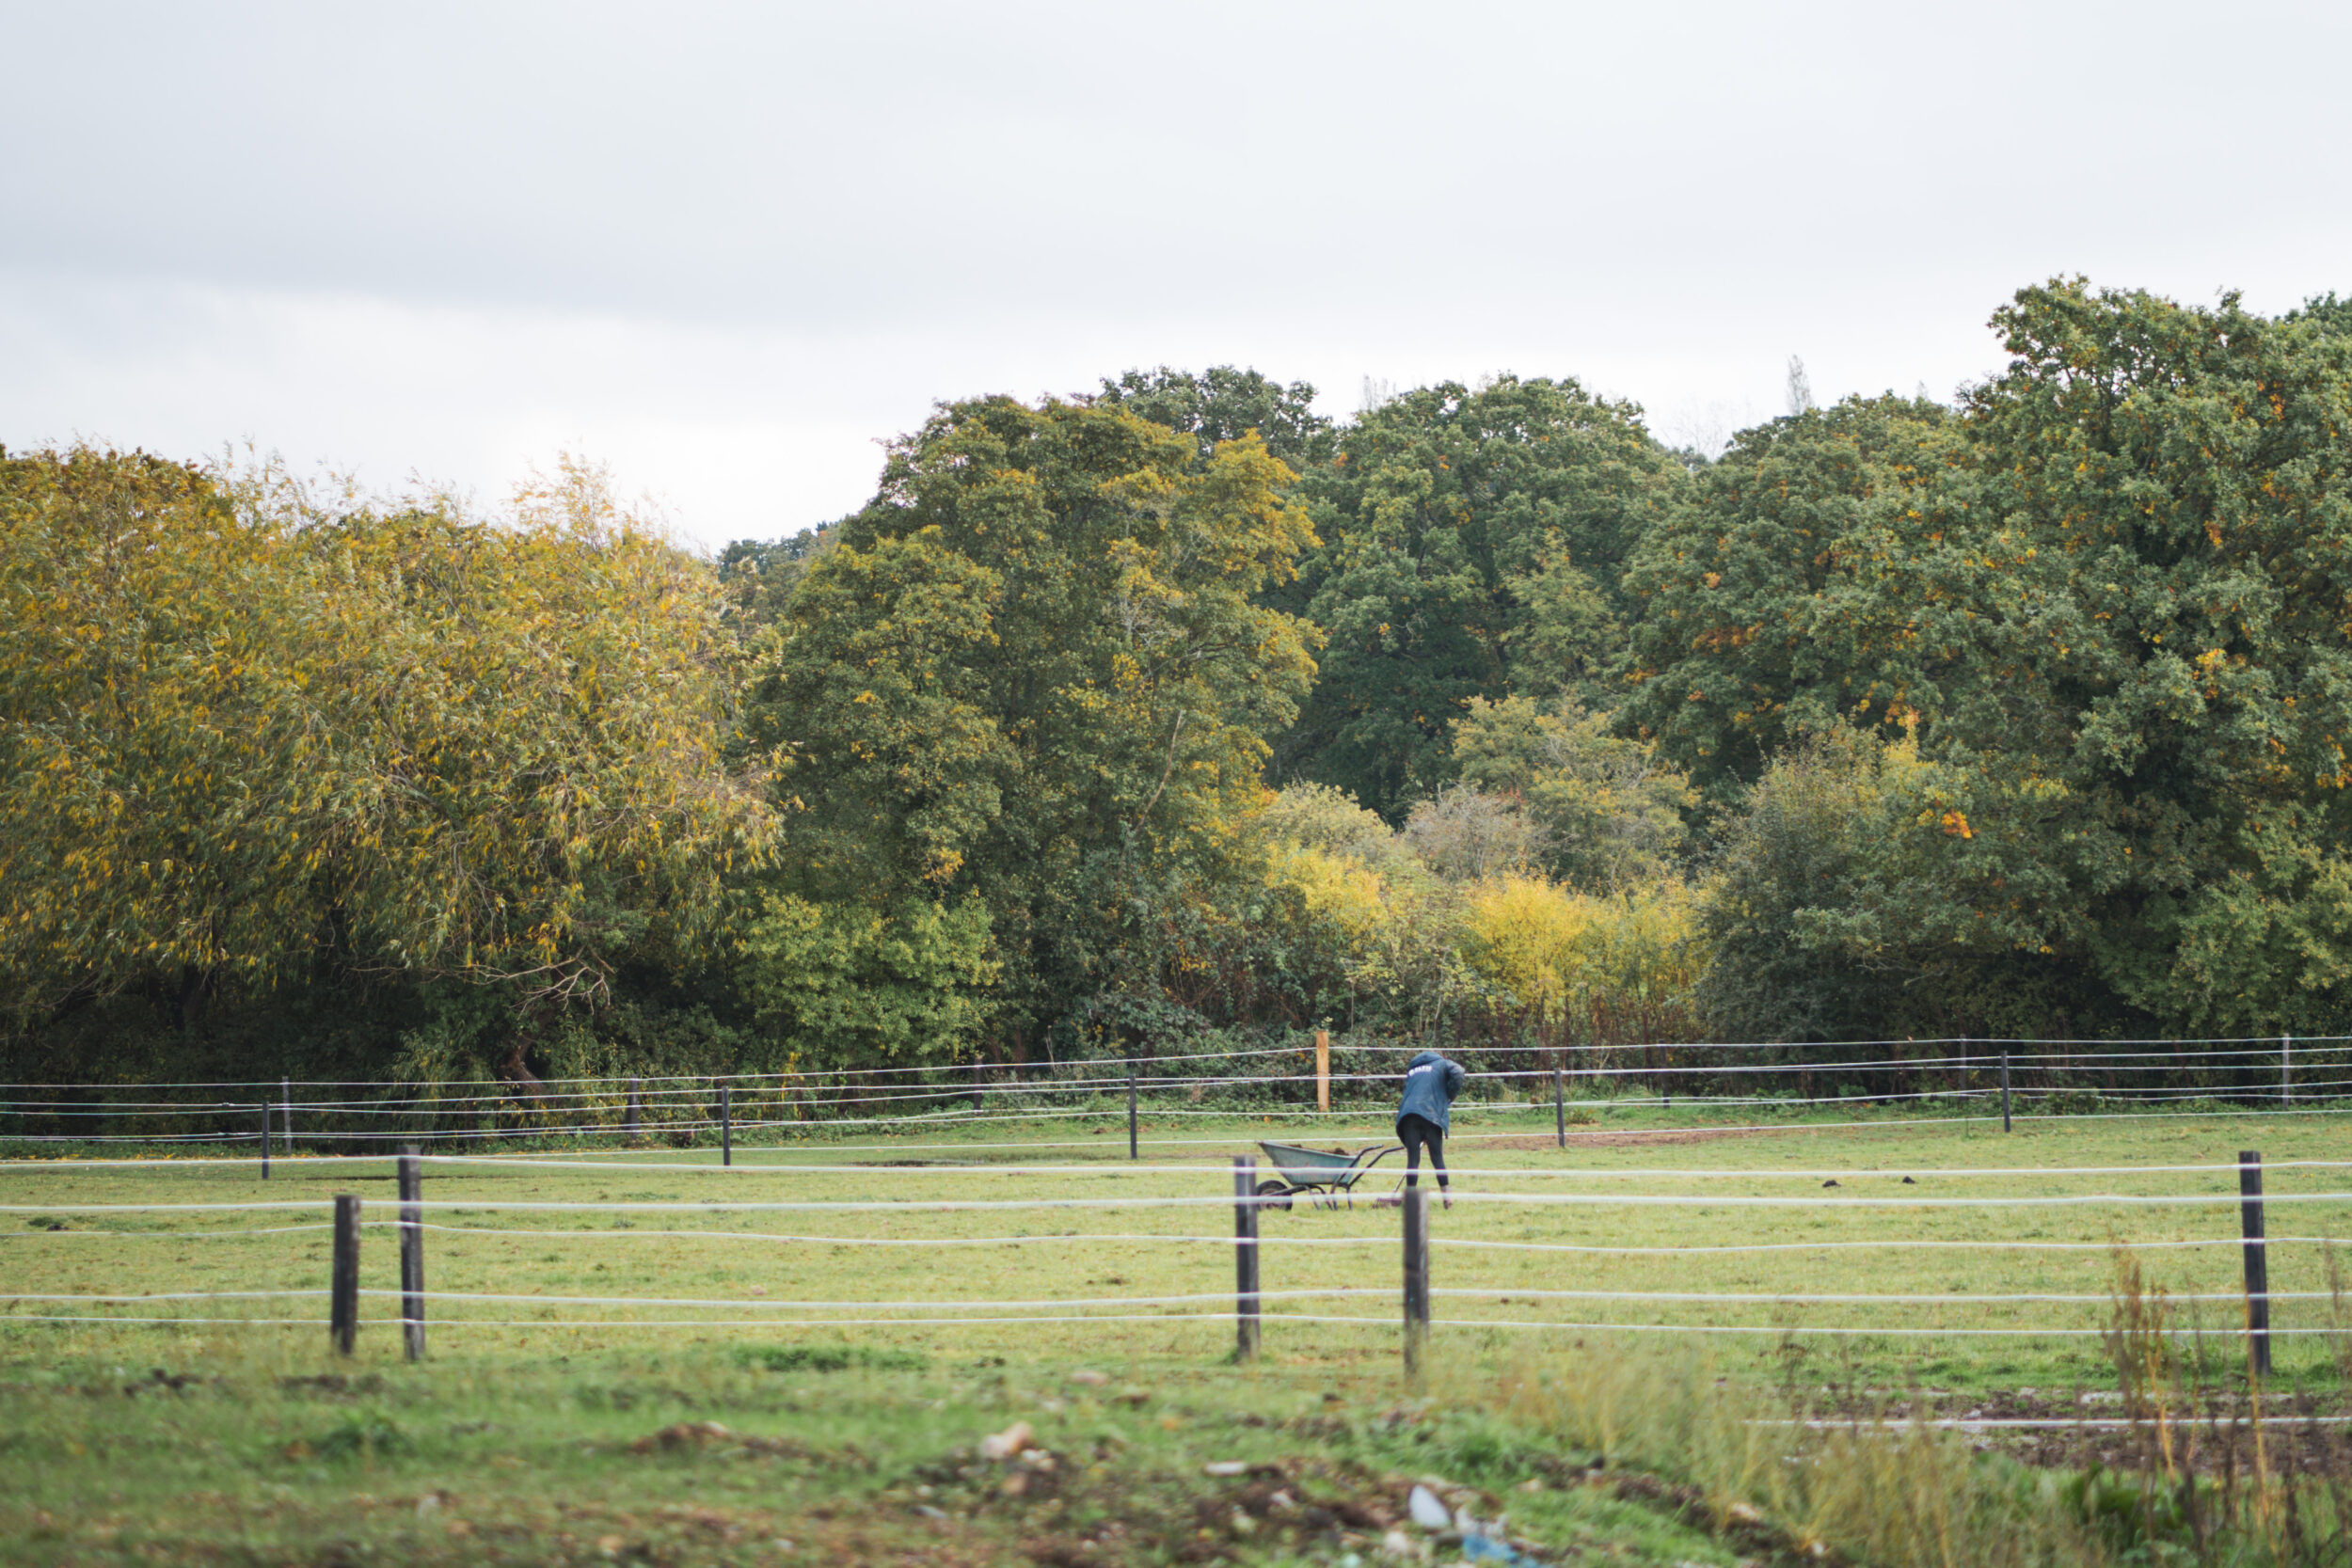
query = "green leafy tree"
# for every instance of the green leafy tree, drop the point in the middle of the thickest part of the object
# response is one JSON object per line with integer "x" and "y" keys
{"x": 759, "y": 576}
{"x": 1036, "y": 669}
{"x": 1474, "y": 541}
{"x": 1834, "y": 911}
{"x": 2326, "y": 312}
{"x": 1611, "y": 814}
{"x": 1805, "y": 586}
{"x": 1222, "y": 405}
{"x": 848, "y": 983}
{"x": 2159, "y": 724}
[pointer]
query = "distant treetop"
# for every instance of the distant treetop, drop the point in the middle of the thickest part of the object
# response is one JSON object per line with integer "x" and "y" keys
{"x": 1222, "y": 404}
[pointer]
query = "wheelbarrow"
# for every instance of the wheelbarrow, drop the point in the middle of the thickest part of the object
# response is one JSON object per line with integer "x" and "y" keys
{"x": 1325, "y": 1175}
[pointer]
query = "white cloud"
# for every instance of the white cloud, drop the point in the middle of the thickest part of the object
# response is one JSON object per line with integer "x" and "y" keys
{"x": 726, "y": 247}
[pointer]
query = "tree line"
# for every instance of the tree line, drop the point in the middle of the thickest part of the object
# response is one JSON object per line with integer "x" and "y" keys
{"x": 1175, "y": 713}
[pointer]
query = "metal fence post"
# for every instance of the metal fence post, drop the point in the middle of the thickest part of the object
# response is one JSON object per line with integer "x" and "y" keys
{"x": 265, "y": 1140}
{"x": 343, "y": 1290}
{"x": 1416, "y": 1278}
{"x": 2250, "y": 1187}
{"x": 2286, "y": 1070}
{"x": 411, "y": 1253}
{"x": 1131, "y": 1117}
{"x": 2005, "y": 1127}
{"x": 1245, "y": 1258}
{"x": 1559, "y": 1102}
{"x": 285, "y": 1107}
{"x": 726, "y": 1126}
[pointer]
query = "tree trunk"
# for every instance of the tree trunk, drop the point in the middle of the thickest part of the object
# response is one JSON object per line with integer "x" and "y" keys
{"x": 515, "y": 1069}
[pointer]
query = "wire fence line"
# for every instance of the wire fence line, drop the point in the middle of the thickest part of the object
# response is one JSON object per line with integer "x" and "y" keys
{"x": 1194, "y": 1168}
{"x": 962, "y": 1205}
{"x": 2041, "y": 1076}
{"x": 2202, "y": 1104}
{"x": 1172, "y": 1238}
{"x": 1695, "y": 1312}
{"x": 762, "y": 1304}
{"x": 1568, "y": 1137}
{"x": 1210, "y": 1319}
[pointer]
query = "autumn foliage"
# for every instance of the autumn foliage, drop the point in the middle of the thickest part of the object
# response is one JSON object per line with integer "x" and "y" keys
{"x": 1179, "y": 713}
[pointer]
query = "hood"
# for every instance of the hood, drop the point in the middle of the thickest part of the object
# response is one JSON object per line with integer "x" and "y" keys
{"x": 1423, "y": 1058}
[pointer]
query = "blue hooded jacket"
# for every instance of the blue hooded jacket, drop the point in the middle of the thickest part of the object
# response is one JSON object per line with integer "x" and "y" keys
{"x": 1431, "y": 1082}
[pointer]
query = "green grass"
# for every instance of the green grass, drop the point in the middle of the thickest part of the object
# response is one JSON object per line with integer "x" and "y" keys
{"x": 258, "y": 1446}
{"x": 1093, "y": 1254}
{"x": 563, "y": 1459}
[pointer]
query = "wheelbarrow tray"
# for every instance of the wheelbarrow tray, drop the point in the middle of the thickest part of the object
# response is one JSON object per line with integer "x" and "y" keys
{"x": 1318, "y": 1171}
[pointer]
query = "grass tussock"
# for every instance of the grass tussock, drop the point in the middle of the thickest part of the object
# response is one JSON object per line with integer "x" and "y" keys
{"x": 1866, "y": 1491}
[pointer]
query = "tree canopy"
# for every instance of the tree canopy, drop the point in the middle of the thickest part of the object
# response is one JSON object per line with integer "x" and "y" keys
{"x": 1799, "y": 587}
{"x": 1177, "y": 712}
{"x": 245, "y": 738}
{"x": 1034, "y": 670}
{"x": 1472, "y": 542}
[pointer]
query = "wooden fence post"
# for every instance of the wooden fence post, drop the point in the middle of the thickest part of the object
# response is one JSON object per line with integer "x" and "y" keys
{"x": 1416, "y": 1278}
{"x": 1323, "y": 1070}
{"x": 2005, "y": 1127}
{"x": 976, "y": 1085}
{"x": 411, "y": 1253}
{"x": 1559, "y": 1102}
{"x": 265, "y": 1140}
{"x": 2250, "y": 1187}
{"x": 285, "y": 1107}
{"x": 2286, "y": 1070}
{"x": 632, "y": 1121}
{"x": 1246, "y": 1257}
{"x": 726, "y": 1126}
{"x": 343, "y": 1290}
{"x": 1131, "y": 1115}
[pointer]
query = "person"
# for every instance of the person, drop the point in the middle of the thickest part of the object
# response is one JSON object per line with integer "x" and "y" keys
{"x": 1431, "y": 1082}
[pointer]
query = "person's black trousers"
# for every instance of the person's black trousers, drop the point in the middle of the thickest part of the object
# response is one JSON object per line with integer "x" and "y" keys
{"x": 1419, "y": 1131}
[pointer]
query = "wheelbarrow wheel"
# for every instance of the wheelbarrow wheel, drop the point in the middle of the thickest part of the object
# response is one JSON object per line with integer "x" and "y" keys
{"x": 1275, "y": 1189}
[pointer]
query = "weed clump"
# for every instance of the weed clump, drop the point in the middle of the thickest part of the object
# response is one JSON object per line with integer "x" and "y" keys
{"x": 368, "y": 1435}
{"x": 830, "y": 1358}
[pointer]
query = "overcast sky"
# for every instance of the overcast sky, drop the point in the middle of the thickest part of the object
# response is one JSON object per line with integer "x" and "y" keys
{"x": 726, "y": 248}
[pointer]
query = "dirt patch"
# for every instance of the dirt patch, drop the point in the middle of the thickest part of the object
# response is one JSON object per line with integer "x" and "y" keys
{"x": 701, "y": 1437}
{"x": 1082, "y": 1508}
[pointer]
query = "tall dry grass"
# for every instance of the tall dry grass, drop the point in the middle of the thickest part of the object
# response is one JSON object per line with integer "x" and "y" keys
{"x": 1859, "y": 1490}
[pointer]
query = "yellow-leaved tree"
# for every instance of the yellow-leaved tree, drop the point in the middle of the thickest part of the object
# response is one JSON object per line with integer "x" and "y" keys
{"x": 247, "y": 736}
{"x": 1599, "y": 969}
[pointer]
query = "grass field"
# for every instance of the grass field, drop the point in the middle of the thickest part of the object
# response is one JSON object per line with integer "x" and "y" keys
{"x": 255, "y": 1435}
